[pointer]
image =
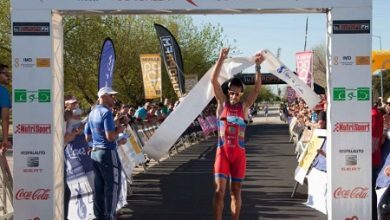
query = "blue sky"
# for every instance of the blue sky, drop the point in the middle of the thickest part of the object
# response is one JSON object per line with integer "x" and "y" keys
{"x": 250, "y": 33}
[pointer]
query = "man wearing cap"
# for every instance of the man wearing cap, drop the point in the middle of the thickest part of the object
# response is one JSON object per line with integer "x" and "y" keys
{"x": 230, "y": 160}
{"x": 5, "y": 106}
{"x": 71, "y": 103}
{"x": 101, "y": 129}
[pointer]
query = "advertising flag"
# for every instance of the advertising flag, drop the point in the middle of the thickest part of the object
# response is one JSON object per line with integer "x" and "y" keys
{"x": 151, "y": 74}
{"x": 106, "y": 64}
{"x": 304, "y": 64}
{"x": 171, "y": 54}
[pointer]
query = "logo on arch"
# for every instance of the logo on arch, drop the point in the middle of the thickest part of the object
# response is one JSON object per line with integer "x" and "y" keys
{"x": 351, "y": 94}
{"x": 32, "y": 96}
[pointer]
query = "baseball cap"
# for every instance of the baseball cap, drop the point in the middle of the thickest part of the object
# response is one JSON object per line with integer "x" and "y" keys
{"x": 106, "y": 91}
{"x": 71, "y": 100}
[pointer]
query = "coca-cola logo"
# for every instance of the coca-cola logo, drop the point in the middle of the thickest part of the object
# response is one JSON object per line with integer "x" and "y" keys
{"x": 38, "y": 194}
{"x": 355, "y": 193}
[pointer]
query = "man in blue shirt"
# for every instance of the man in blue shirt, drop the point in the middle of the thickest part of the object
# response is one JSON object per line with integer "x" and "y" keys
{"x": 5, "y": 106}
{"x": 142, "y": 112}
{"x": 101, "y": 129}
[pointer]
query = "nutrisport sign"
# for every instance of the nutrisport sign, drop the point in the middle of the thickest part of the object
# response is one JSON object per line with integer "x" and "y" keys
{"x": 38, "y": 69}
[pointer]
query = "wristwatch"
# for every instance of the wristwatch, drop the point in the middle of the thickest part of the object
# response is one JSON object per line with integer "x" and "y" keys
{"x": 257, "y": 68}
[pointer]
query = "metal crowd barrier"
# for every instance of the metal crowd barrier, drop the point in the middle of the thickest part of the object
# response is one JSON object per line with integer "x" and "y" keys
{"x": 6, "y": 195}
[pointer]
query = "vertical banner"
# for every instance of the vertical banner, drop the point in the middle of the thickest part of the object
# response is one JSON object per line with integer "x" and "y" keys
{"x": 106, "y": 64}
{"x": 190, "y": 82}
{"x": 304, "y": 64}
{"x": 349, "y": 122}
{"x": 171, "y": 54}
{"x": 151, "y": 74}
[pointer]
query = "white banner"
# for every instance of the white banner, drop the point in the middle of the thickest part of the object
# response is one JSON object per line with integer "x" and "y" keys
{"x": 186, "y": 5}
{"x": 317, "y": 189}
{"x": 170, "y": 130}
{"x": 282, "y": 72}
{"x": 349, "y": 115}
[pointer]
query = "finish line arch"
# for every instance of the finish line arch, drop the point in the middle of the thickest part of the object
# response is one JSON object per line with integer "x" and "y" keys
{"x": 37, "y": 34}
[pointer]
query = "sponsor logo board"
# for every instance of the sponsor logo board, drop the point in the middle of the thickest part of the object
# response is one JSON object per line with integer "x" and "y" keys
{"x": 33, "y": 129}
{"x": 38, "y": 194}
{"x": 26, "y": 62}
{"x": 24, "y": 96}
{"x": 352, "y": 127}
{"x": 351, "y": 26}
{"x": 362, "y": 60}
{"x": 43, "y": 62}
{"x": 31, "y": 28}
{"x": 347, "y": 94}
{"x": 354, "y": 193}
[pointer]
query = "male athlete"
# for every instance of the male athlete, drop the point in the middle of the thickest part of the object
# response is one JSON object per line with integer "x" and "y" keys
{"x": 230, "y": 160}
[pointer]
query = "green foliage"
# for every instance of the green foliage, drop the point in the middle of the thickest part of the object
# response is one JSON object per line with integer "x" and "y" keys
{"x": 376, "y": 85}
{"x": 5, "y": 32}
{"x": 132, "y": 36}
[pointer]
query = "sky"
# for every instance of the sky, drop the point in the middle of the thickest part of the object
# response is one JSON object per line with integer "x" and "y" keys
{"x": 251, "y": 33}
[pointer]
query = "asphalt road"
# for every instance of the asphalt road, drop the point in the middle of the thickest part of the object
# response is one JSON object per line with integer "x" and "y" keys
{"x": 181, "y": 187}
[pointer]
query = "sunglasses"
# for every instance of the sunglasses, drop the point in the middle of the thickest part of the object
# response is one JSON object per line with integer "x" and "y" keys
{"x": 5, "y": 73}
{"x": 234, "y": 93}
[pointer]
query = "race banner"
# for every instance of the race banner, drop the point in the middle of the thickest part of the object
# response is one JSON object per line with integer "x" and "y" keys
{"x": 316, "y": 192}
{"x": 281, "y": 71}
{"x": 171, "y": 54}
{"x": 206, "y": 128}
{"x": 213, "y": 122}
{"x": 106, "y": 64}
{"x": 304, "y": 64}
{"x": 80, "y": 180}
{"x": 151, "y": 74}
{"x": 308, "y": 155}
{"x": 191, "y": 81}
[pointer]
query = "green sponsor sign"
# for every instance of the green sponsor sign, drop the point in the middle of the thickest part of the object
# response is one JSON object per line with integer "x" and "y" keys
{"x": 24, "y": 96}
{"x": 344, "y": 94}
{"x": 20, "y": 95}
{"x": 44, "y": 95}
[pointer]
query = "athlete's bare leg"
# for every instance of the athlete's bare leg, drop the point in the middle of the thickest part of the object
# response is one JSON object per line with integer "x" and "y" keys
{"x": 220, "y": 188}
{"x": 235, "y": 206}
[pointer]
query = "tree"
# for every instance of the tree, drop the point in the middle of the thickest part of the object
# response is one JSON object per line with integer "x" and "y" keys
{"x": 319, "y": 65}
{"x": 5, "y": 32}
{"x": 132, "y": 36}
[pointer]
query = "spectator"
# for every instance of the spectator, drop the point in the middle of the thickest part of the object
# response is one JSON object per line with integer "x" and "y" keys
{"x": 142, "y": 112}
{"x": 5, "y": 106}
{"x": 101, "y": 129}
{"x": 71, "y": 103}
{"x": 377, "y": 134}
